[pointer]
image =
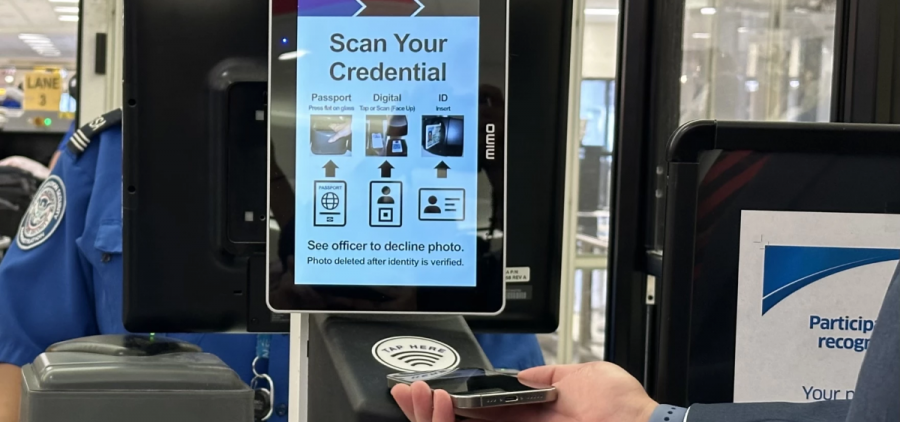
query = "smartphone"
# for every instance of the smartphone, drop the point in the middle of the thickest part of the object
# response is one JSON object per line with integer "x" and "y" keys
{"x": 377, "y": 141}
{"x": 475, "y": 388}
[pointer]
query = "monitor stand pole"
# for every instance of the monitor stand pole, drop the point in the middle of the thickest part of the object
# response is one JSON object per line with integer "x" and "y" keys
{"x": 298, "y": 379}
{"x": 336, "y": 373}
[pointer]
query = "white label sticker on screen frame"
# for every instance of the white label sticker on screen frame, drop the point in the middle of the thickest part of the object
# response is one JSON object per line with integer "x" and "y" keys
{"x": 518, "y": 274}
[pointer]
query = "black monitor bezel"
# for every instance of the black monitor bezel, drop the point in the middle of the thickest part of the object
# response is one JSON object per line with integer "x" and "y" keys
{"x": 676, "y": 378}
{"x": 172, "y": 120}
{"x": 488, "y": 297}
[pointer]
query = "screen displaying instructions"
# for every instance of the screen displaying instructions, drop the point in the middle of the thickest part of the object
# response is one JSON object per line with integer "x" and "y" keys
{"x": 387, "y": 144}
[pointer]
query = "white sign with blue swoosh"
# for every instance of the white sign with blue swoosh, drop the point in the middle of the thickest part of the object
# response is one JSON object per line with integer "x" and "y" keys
{"x": 810, "y": 286}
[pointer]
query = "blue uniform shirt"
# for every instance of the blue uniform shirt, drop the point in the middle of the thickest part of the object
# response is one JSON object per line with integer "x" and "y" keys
{"x": 62, "y": 278}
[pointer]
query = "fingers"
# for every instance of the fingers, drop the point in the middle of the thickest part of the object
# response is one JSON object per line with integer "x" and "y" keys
{"x": 420, "y": 404}
{"x": 443, "y": 407}
{"x": 423, "y": 402}
{"x": 518, "y": 413}
{"x": 403, "y": 396}
{"x": 547, "y": 375}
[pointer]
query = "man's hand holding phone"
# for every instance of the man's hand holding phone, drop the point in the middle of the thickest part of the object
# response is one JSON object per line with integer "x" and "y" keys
{"x": 597, "y": 391}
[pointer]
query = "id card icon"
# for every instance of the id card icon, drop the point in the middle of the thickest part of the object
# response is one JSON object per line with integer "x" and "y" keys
{"x": 442, "y": 204}
{"x": 330, "y": 203}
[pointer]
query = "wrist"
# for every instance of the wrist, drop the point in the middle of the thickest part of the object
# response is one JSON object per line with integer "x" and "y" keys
{"x": 646, "y": 414}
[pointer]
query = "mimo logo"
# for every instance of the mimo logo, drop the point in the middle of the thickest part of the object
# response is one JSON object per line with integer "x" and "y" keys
{"x": 412, "y": 354}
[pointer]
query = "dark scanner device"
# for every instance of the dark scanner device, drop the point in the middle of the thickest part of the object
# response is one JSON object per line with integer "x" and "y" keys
{"x": 398, "y": 127}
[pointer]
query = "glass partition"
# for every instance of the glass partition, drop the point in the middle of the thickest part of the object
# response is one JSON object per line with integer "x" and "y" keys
{"x": 758, "y": 60}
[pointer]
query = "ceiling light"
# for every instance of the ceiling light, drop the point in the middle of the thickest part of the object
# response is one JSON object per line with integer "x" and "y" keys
{"x": 601, "y": 12}
{"x": 38, "y": 42}
{"x": 9, "y": 79}
{"x": 66, "y": 9}
{"x": 68, "y": 18}
{"x": 700, "y": 35}
{"x": 64, "y": 1}
{"x": 752, "y": 86}
{"x": 795, "y": 84}
{"x": 707, "y": 10}
{"x": 743, "y": 29}
{"x": 683, "y": 79}
{"x": 32, "y": 37}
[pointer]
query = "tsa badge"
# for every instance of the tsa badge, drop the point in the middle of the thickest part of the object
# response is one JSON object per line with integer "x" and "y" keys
{"x": 44, "y": 214}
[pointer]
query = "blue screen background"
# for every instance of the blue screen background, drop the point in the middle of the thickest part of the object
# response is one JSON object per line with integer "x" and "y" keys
{"x": 414, "y": 171}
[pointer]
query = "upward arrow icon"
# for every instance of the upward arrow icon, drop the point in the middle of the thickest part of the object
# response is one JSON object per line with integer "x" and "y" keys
{"x": 386, "y": 168}
{"x": 329, "y": 167}
{"x": 442, "y": 168}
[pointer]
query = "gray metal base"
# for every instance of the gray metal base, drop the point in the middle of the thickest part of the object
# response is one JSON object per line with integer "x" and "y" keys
{"x": 133, "y": 379}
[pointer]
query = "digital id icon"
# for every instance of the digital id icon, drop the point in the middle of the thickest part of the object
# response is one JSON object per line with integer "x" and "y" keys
{"x": 442, "y": 204}
{"x": 330, "y": 203}
{"x": 385, "y": 204}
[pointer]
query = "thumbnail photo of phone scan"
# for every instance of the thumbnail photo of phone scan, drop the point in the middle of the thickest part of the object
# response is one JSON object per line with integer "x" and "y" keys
{"x": 442, "y": 136}
{"x": 386, "y": 136}
{"x": 331, "y": 135}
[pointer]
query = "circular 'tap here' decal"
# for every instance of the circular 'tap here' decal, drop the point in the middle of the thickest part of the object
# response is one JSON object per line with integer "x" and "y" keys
{"x": 415, "y": 354}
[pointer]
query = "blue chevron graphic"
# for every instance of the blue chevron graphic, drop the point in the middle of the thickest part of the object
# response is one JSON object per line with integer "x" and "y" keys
{"x": 791, "y": 268}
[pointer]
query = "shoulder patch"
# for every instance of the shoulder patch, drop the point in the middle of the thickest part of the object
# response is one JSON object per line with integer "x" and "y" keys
{"x": 44, "y": 214}
{"x": 81, "y": 139}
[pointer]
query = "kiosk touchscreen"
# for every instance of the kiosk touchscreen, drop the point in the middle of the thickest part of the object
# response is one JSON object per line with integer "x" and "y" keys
{"x": 397, "y": 154}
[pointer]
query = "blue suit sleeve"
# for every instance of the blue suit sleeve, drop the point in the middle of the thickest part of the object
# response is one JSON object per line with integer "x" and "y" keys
{"x": 46, "y": 293}
{"x": 878, "y": 384}
{"x": 825, "y": 411}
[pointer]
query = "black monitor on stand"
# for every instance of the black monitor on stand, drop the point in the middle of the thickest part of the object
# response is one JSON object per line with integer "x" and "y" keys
{"x": 195, "y": 166}
{"x": 194, "y": 194}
